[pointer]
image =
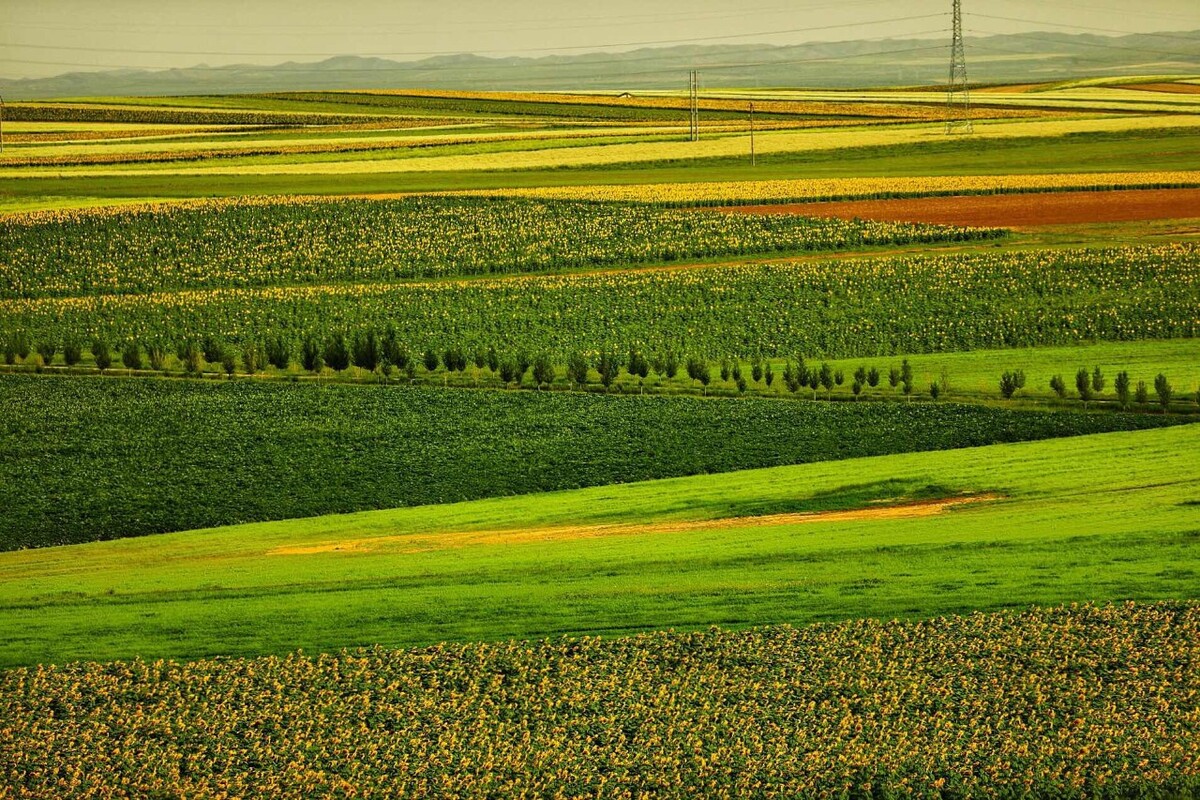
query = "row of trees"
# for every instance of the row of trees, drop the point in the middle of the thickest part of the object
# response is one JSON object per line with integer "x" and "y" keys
{"x": 1090, "y": 385}
{"x": 386, "y": 354}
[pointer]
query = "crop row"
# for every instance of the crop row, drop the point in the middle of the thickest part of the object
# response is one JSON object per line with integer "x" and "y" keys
{"x": 842, "y": 309}
{"x": 53, "y": 112}
{"x": 84, "y": 459}
{"x": 820, "y": 189}
{"x": 234, "y": 244}
{"x": 1071, "y": 702}
{"x": 596, "y": 104}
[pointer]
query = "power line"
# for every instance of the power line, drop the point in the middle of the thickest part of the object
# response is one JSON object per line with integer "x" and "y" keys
{"x": 665, "y": 70}
{"x": 1103, "y": 46}
{"x": 427, "y": 53}
{"x": 1176, "y": 37}
{"x": 390, "y": 29}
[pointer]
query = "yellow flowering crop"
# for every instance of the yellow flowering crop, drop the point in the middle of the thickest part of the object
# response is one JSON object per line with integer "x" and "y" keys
{"x": 1071, "y": 702}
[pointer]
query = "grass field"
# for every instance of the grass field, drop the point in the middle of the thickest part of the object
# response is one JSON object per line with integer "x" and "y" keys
{"x": 1103, "y": 517}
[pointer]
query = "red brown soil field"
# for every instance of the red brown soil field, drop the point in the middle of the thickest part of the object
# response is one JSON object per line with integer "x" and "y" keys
{"x": 1008, "y": 210}
{"x": 1169, "y": 88}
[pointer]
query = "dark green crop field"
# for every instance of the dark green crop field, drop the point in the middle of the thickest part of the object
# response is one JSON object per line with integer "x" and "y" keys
{"x": 87, "y": 459}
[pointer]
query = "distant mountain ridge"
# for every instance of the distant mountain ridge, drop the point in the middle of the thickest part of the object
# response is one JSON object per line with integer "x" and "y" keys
{"x": 1027, "y": 57}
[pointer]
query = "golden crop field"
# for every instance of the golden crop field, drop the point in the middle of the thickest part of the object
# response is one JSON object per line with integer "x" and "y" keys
{"x": 1070, "y": 702}
{"x": 850, "y": 188}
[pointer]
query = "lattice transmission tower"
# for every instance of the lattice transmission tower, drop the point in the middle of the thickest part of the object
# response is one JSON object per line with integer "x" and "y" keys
{"x": 958, "y": 94}
{"x": 694, "y": 106}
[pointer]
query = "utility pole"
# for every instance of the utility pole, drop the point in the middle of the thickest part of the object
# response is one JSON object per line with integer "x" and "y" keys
{"x": 958, "y": 93}
{"x": 753, "y": 157}
{"x": 694, "y": 95}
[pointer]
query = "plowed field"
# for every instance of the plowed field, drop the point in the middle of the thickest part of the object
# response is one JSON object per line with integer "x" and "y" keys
{"x": 1008, "y": 210}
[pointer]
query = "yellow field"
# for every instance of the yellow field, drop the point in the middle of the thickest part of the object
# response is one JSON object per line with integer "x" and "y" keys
{"x": 713, "y": 146}
{"x": 849, "y": 188}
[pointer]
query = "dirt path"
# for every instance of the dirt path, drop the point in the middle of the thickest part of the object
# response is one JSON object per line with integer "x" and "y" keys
{"x": 425, "y": 542}
{"x": 1008, "y": 210}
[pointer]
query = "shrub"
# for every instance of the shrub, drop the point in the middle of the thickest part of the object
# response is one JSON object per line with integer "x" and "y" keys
{"x": 725, "y": 369}
{"x": 906, "y": 373}
{"x": 609, "y": 368}
{"x": 1122, "y": 387}
{"x": 430, "y": 361}
{"x": 337, "y": 354}
{"x": 1098, "y": 382}
{"x": 638, "y": 365}
{"x": 1058, "y": 385}
{"x": 101, "y": 354}
{"x": 366, "y": 351}
{"x": 893, "y": 377}
{"x": 791, "y": 378}
{"x": 1011, "y": 382}
{"x": 839, "y": 377}
{"x": 769, "y": 375}
{"x": 311, "y": 357}
{"x": 191, "y": 358}
{"x": 1083, "y": 385}
{"x": 493, "y": 359}
{"x": 577, "y": 369}
{"x": 72, "y": 352}
{"x": 825, "y": 378}
{"x": 856, "y": 388}
{"x": 543, "y": 370}
{"x": 46, "y": 349}
{"x": 252, "y": 358}
{"x": 1164, "y": 391}
{"x": 873, "y": 377}
{"x": 935, "y": 390}
{"x": 131, "y": 356}
{"x": 508, "y": 371}
{"x": 671, "y": 365}
{"x": 213, "y": 350}
{"x": 156, "y": 354}
{"x": 860, "y": 375}
{"x": 278, "y": 352}
{"x": 1142, "y": 395}
{"x": 228, "y": 361}
{"x": 22, "y": 345}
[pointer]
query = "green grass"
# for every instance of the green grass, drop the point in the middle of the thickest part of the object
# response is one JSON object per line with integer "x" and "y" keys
{"x": 1093, "y": 518}
{"x": 87, "y": 458}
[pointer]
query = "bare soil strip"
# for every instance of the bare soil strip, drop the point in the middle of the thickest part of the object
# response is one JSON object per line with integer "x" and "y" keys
{"x": 1007, "y": 210}
{"x": 425, "y": 542}
{"x": 1168, "y": 88}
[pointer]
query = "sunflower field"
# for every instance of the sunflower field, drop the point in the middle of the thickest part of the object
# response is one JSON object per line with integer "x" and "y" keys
{"x": 823, "y": 309}
{"x": 230, "y": 243}
{"x": 1069, "y": 702}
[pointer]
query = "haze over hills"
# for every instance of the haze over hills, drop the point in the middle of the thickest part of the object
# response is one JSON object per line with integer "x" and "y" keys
{"x": 1026, "y": 57}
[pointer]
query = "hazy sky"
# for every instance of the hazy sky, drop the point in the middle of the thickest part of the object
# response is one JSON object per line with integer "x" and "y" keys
{"x": 47, "y": 37}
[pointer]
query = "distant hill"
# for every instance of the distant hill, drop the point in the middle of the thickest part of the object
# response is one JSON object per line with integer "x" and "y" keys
{"x": 1028, "y": 57}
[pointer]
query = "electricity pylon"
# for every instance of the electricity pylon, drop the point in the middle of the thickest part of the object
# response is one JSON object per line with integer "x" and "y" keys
{"x": 958, "y": 94}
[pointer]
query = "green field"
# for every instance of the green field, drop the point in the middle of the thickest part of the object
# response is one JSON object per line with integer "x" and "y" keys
{"x": 1102, "y": 517}
{"x": 813, "y": 308}
{"x": 102, "y": 459}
